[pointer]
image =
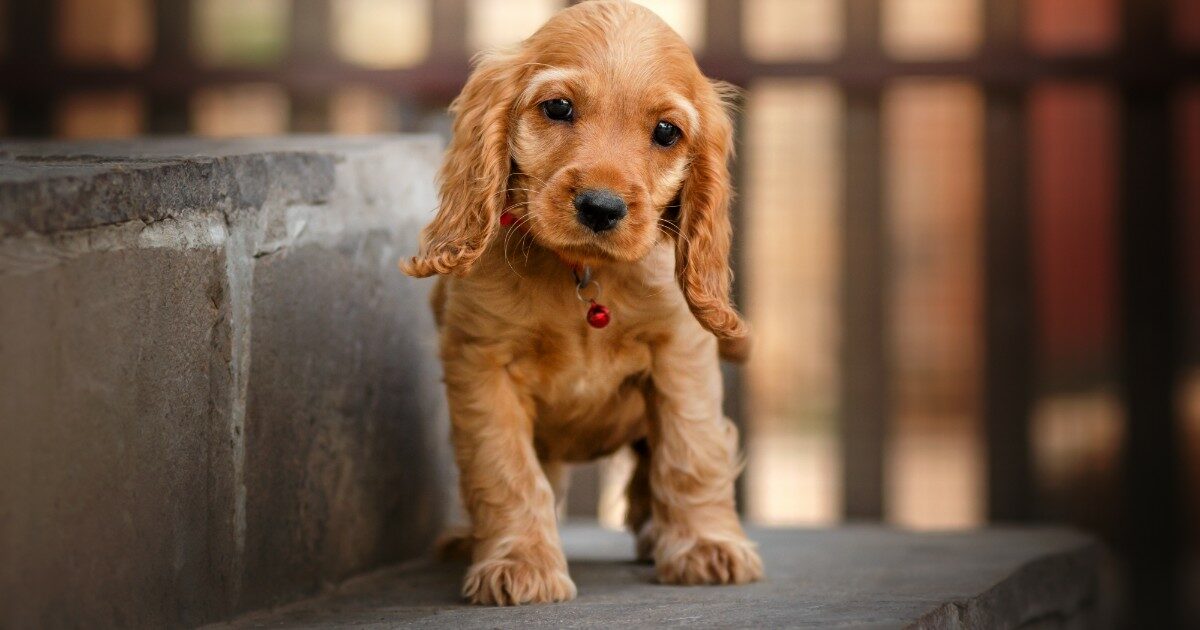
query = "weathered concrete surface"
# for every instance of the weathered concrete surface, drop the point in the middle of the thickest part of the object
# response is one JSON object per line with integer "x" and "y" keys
{"x": 107, "y": 477}
{"x": 330, "y": 415}
{"x": 216, "y": 389}
{"x": 854, "y": 577}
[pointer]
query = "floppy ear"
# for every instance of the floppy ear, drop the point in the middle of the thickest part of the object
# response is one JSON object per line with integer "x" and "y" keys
{"x": 702, "y": 251}
{"x": 473, "y": 179}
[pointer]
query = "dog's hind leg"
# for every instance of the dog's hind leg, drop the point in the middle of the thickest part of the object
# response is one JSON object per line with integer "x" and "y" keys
{"x": 559, "y": 476}
{"x": 455, "y": 544}
{"x": 637, "y": 493}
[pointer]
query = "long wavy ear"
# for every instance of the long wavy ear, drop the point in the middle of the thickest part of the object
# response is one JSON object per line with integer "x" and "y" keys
{"x": 472, "y": 181}
{"x": 702, "y": 251}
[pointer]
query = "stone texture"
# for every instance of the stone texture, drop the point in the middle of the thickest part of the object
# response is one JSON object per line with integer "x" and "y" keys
{"x": 216, "y": 389}
{"x": 112, "y": 486}
{"x": 342, "y": 476}
{"x": 854, "y": 577}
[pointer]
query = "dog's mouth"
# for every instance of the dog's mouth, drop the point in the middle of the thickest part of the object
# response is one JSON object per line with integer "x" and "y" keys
{"x": 589, "y": 253}
{"x": 591, "y": 249}
{"x": 546, "y": 210}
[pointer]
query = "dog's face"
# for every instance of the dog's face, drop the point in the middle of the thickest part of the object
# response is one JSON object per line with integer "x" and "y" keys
{"x": 600, "y": 136}
{"x": 595, "y": 168}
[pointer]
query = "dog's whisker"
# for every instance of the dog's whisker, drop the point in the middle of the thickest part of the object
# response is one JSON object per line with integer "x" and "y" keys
{"x": 529, "y": 246}
{"x": 508, "y": 235}
{"x": 507, "y": 261}
{"x": 516, "y": 225}
{"x": 673, "y": 230}
{"x": 525, "y": 234}
{"x": 539, "y": 180}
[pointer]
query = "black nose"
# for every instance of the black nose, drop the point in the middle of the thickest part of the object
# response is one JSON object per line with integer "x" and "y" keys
{"x": 599, "y": 209}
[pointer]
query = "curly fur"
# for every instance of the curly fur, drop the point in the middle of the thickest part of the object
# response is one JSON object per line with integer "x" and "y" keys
{"x": 530, "y": 385}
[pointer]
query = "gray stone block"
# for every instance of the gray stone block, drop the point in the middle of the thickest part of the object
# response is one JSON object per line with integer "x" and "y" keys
{"x": 217, "y": 391}
{"x": 115, "y": 481}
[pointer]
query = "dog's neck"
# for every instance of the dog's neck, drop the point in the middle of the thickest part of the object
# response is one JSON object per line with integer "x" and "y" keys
{"x": 514, "y": 254}
{"x": 519, "y": 251}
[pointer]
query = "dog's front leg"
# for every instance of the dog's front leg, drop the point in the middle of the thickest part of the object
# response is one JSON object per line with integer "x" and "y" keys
{"x": 516, "y": 556}
{"x": 692, "y": 467}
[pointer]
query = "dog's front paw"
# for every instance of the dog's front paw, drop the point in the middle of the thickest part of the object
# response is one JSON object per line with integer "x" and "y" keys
{"x": 508, "y": 582}
{"x": 707, "y": 561}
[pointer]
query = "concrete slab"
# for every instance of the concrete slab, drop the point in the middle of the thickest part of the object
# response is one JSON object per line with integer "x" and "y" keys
{"x": 853, "y": 577}
{"x": 217, "y": 391}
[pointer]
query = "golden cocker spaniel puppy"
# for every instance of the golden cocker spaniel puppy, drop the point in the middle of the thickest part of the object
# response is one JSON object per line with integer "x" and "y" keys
{"x": 583, "y": 239}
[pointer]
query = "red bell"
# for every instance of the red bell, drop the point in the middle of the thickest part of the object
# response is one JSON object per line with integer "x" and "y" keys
{"x": 598, "y": 316}
{"x": 507, "y": 219}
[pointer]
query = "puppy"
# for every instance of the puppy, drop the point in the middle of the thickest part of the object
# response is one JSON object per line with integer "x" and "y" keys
{"x": 583, "y": 241}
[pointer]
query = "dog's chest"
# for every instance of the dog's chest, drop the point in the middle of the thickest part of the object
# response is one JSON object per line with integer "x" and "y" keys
{"x": 581, "y": 368}
{"x": 587, "y": 386}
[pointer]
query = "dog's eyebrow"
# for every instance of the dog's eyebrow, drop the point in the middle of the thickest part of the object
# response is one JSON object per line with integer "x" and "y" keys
{"x": 688, "y": 110}
{"x": 550, "y": 75}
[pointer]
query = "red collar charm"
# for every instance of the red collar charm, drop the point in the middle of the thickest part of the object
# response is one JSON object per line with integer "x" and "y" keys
{"x": 598, "y": 315}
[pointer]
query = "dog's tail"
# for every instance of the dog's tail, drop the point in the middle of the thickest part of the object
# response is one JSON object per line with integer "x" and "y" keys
{"x": 735, "y": 349}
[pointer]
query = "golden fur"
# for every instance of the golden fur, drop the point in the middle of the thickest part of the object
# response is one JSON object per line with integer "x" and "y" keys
{"x": 530, "y": 385}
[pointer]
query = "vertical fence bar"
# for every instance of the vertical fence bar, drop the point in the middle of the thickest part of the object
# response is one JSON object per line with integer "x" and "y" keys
{"x": 723, "y": 31}
{"x": 168, "y": 111}
{"x": 449, "y": 23}
{"x": 863, "y": 402}
{"x": 30, "y": 42}
{"x": 1008, "y": 311}
{"x": 1008, "y": 283}
{"x": 311, "y": 40}
{"x": 1149, "y": 356}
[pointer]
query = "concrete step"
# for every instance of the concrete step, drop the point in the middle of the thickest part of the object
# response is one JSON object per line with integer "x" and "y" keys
{"x": 850, "y": 577}
{"x": 217, "y": 391}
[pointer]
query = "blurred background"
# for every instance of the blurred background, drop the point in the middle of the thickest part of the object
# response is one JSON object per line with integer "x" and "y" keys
{"x": 969, "y": 230}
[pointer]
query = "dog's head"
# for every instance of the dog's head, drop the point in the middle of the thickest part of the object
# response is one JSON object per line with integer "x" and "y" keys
{"x": 598, "y": 134}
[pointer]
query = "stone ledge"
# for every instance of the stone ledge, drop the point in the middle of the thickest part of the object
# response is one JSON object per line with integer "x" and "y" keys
{"x": 852, "y": 577}
{"x": 49, "y": 187}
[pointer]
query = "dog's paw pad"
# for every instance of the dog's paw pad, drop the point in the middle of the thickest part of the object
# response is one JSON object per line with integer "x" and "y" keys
{"x": 508, "y": 582}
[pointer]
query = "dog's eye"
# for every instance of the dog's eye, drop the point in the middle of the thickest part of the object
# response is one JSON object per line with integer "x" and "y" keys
{"x": 665, "y": 134}
{"x": 558, "y": 109}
